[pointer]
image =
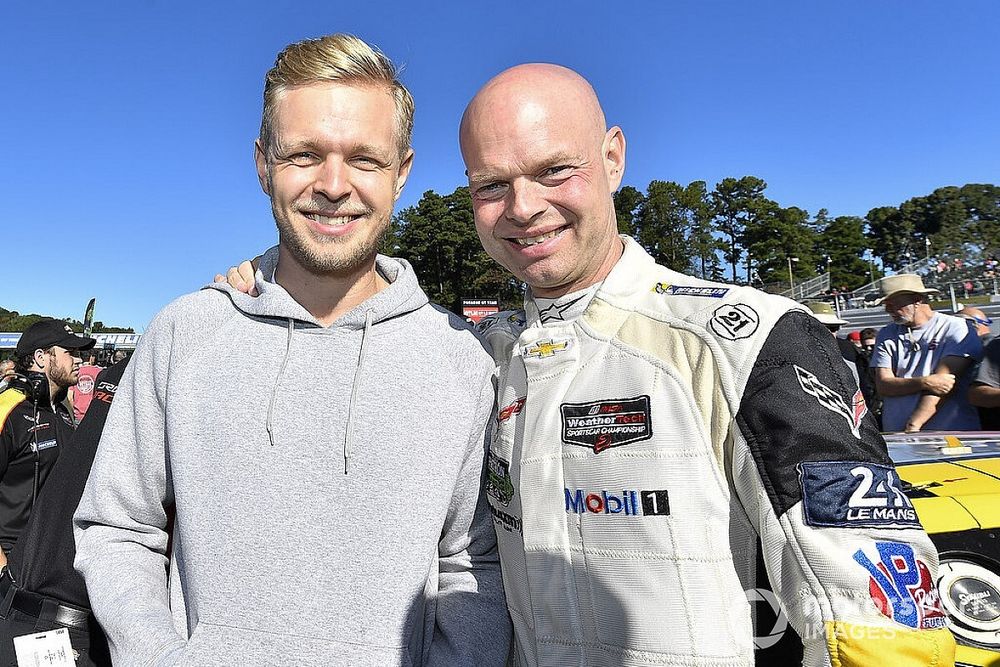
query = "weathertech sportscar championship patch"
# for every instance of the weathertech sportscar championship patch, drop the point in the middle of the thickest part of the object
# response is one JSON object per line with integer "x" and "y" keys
{"x": 833, "y": 401}
{"x": 853, "y": 494}
{"x": 901, "y": 587}
{"x": 604, "y": 424}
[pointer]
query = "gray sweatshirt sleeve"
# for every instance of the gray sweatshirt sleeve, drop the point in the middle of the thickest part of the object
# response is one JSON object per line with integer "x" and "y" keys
{"x": 471, "y": 623}
{"x": 121, "y": 523}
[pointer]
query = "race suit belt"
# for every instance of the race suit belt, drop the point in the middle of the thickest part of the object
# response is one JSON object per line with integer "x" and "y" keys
{"x": 39, "y": 606}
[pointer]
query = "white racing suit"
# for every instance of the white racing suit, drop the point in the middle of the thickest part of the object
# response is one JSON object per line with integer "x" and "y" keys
{"x": 646, "y": 453}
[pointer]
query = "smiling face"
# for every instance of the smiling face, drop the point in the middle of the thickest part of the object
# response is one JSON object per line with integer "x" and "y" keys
{"x": 333, "y": 174}
{"x": 541, "y": 172}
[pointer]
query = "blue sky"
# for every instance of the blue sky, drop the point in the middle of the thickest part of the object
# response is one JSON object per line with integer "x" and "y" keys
{"x": 127, "y": 128}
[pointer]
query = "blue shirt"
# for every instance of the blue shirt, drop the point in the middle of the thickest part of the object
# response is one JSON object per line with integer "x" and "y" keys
{"x": 917, "y": 352}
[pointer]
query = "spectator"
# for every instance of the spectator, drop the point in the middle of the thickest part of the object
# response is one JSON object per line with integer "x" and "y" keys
{"x": 868, "y": 336}
{"x": 40, "y": 567}
{"x": 82, "y": 393}
{"x": 857, "y": 363}
{"x": 985, "y": 390}
{"x": 35, "y": 421}
{"x": 855, "y": 339}
{"x": 7, "y": 371}
{"x": 922, "y": 361}
{"x": 979, "y": 321}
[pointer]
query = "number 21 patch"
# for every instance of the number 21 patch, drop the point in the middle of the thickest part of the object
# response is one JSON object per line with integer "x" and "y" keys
{"x": 734, "y": 321}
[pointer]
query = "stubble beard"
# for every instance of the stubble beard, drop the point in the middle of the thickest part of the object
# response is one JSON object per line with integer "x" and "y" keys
{"x": 63, "y": 378}
{"x": 307, "y": 247}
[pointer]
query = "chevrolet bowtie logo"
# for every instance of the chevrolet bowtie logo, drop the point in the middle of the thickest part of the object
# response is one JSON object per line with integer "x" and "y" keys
{"x": 545, "y": 348}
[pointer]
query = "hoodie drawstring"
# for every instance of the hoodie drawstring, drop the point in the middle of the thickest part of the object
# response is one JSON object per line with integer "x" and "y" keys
{"x": 277, "y": 381}
{"x": 349, "y": 431}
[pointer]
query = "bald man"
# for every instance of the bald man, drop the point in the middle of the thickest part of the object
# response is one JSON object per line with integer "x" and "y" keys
{"x": 654, "y": 430}
{"x": 656, "y": 433}
{"x": 979, "y": 320}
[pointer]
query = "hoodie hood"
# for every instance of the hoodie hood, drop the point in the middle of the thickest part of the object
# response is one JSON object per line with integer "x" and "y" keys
{"x": 403, "y": 295}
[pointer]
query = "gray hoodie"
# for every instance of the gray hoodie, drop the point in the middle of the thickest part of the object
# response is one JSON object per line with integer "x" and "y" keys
{"x": 326, "y": 483}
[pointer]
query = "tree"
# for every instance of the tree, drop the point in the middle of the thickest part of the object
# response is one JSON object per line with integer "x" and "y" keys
{"x": 890, "y": 235}
{"x": 704, "y": 245}
{"x": 438, "y": 237}
{"x": 736, "y": 202}
{"x": 843, "y": 241}
{"x": 664, "y": 222}
{"x": 776, "y": 234}
{"x": 14, "y": 322}
{"x": 627, "y": 201}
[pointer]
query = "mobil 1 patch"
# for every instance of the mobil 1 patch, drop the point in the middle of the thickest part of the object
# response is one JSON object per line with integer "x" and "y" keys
{"x": 854, "y": 494}
{"x": 600, "y": 425}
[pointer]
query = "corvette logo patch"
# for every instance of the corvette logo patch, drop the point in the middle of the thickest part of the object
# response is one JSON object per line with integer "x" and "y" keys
{"x": 833, "y": 401}
{"x": 604, "y": 424}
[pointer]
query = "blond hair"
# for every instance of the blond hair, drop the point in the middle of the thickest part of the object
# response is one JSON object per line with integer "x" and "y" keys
{"x": 341, "y": 58}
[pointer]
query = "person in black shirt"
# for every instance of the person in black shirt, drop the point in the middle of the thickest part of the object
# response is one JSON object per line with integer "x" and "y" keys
{"x": 36, "y": 421}
{"x": 40, "y": 567}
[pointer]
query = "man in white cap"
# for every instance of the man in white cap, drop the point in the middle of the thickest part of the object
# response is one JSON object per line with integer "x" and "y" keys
{"x": 921, "y": 361}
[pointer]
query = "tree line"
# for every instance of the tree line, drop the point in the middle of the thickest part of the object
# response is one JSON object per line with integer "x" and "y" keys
{"x": 14, "y": 322}
{"x": 733, "y": 232}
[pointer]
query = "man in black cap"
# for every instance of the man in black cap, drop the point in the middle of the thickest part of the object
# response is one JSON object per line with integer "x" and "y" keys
{"x": 36, "y": 421}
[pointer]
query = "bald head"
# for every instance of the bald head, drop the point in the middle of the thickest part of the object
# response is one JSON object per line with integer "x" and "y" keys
{"x": 537, "y": 92}
{"x": 977, "y": 317}
{"x": 542, "y": 166}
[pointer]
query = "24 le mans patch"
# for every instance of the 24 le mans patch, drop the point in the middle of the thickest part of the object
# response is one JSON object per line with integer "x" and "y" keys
{"x": 854, "y": 494}
{"x": 604, "y": 424}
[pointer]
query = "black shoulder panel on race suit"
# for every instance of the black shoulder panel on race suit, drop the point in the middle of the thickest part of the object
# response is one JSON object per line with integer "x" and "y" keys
{"x": 802, "y": 404}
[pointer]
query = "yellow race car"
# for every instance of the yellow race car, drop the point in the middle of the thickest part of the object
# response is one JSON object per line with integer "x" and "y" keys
{"x": 953, "y": 480}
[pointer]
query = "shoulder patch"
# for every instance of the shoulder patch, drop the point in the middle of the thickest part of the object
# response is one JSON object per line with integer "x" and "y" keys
{"x": 734, "y": 321}
{"x": 690, "y": 290}
{"x": 512, "y": 319}
{"x": 9, "y": 400}
{"x": 854, "y": 494}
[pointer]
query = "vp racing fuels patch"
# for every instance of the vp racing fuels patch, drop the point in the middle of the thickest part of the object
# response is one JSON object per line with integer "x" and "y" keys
{"x": 833, "y": 401}
{"x": 853, "y": 494}
{"x": 690, "y": 290}
{"x": 901, "y": 586}
{"x": 604, "y": 424}
{"x": 498, "y": 483}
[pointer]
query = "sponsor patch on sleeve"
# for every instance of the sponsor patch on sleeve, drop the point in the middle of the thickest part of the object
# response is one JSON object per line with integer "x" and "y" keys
{"x": 832, "y": 401}
{"x": 901, "y": 586}
{"x": 604, "y": 424}
{"x": 499, "y": 484}
{"x": 853, "y": 494}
